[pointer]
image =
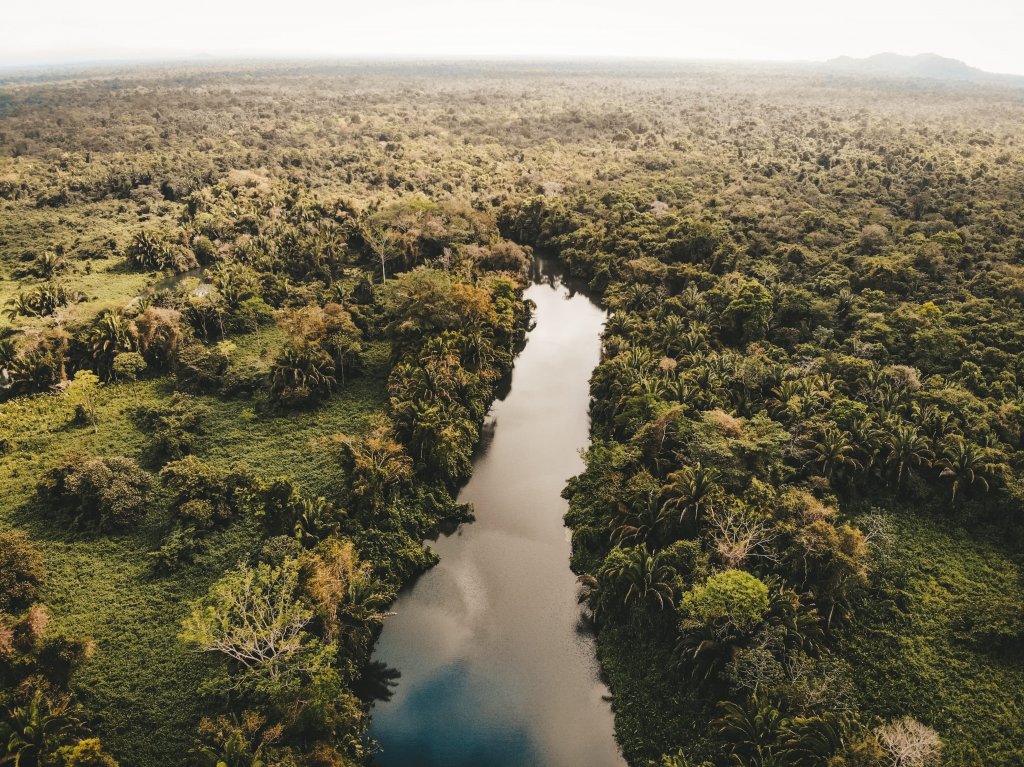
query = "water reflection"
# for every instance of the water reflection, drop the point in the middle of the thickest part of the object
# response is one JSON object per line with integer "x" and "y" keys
{"x": 497, "y": 667}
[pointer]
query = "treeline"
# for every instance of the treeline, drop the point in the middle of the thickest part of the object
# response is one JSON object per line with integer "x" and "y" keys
{"x": 265, "y": 257}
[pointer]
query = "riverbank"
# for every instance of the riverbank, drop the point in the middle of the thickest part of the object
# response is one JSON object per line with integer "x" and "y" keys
{"x": 495, "y": 667}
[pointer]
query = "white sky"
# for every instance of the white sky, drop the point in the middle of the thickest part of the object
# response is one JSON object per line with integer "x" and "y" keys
{"x": 984, "y": 33}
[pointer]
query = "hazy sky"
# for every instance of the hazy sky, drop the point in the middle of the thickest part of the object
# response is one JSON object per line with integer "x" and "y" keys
{"x": 984, "y": 33}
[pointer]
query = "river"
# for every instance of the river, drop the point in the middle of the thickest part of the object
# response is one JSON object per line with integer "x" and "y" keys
{"x": 496, "y": 667}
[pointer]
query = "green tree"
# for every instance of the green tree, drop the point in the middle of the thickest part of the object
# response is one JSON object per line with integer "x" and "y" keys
{"x": 128, "y": 366}
{"x": 81, "y": 392}
{"x": 966, "y": 465}
{"x": 691, "y": 491}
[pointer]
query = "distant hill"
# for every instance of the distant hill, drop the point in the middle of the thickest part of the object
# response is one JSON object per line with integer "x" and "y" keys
{"x": 926, "y": 65}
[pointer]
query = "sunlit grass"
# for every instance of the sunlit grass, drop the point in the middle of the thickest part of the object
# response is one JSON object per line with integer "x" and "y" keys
{"x": 142, "y": 683}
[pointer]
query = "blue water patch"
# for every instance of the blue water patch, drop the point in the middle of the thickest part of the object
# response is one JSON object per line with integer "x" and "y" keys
{"x": 450, "y": 720}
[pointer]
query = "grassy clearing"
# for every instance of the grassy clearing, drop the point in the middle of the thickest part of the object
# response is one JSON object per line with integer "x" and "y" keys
{"x": 914, "y": 653}
{"x": 141, "y": 683}
{"x": 85, "y": 234}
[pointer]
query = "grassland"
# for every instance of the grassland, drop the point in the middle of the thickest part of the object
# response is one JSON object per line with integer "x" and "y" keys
{"x": 142, "y": 681}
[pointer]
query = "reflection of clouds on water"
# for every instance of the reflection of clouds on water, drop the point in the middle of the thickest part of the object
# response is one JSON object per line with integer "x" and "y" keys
{"x": 451, "y": 719}
{"x": 495, "y": 667}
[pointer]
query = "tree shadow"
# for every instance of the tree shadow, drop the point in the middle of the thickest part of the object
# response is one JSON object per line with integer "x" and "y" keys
{"x": 377, "y": 682}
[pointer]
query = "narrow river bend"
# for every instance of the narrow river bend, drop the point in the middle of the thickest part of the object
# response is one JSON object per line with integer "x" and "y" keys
{"x": 495, "y": 668}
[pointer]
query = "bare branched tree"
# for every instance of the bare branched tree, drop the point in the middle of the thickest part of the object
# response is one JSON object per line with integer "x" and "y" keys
{"x": 908, "y": 743}
{"x": 253, "y": 617}
{"x": 382, "y": 242}
{"x": 738, "y": 535}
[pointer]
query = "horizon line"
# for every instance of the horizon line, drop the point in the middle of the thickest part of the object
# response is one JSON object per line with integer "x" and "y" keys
{"x": 72, "y": 63}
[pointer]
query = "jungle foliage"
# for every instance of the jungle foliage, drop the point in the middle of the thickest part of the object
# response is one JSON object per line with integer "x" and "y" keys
{"x": 255, "y": 317}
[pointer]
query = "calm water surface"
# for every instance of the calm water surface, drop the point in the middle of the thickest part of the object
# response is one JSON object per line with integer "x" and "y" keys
{"x": 495, "y": 668}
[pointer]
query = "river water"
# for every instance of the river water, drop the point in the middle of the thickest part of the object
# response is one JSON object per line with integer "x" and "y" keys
{"x": 496, "y": 669}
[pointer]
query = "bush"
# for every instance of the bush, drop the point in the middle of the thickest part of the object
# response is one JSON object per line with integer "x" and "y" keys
{"x": 21, "y": 571}
{"x": 173, "y": 427}
{"x": 731, "y": 599}
{"x": 108, "y": 493}
{"x": 179, "y": 548}
{"x": 86, "y": 753}
{"x": 128, "y": 366}
{"x": 205, "y": 496}
{"x": 202, "y": 368}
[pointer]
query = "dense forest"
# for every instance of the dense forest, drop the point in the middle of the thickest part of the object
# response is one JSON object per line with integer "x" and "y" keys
{"x": 254, "y": 318}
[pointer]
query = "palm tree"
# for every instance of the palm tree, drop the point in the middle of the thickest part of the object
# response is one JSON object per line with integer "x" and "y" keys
{"x": 234, "y": 283}
{"x": 812, "y": 740}
{"x": 629, "y": 576}
{"x": 671, "y": 335}
{"x": 834, "y": 451}
{"x": 314, "y": 520}
{"x": 649, "y": 385}
{"x": 48, "y": 264}
{"x": 637, "y": 523}
{"x": 645, "y": 578}
{"x": 695, "y": 340}
{"x": 867, "y": 437}
{"x": 20, "y": 304}
{"x": 235, "y": 742}
{"x": 302, "y": 372}
{"x": 33, "y": 730}
{"x": 111, "y": 334}
{"x": 844, "y": 304}
{"x": 691, "y": 490}
{"x": 376, "y": 464}
{"x": 936, "y": 424}
{"x": 637, "y": 297}
{"x": 907, "y": 449}
{"x": 788, "y": 400}
{"x": 752, "y": 731}
{"x": 623, "y": 324}
{"x": 967, "y": 465}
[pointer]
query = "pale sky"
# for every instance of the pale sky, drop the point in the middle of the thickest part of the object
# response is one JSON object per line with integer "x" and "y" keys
{"x": 985, "y": 33}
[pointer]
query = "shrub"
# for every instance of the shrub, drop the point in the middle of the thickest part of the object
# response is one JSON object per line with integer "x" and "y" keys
{"x": 733, "y": 599}
{"x": 86, "y": 753}
{"x": 21, "y": 571}
{"x": 205, "y": 496}
{"x": 108, "y": 493}
{"x": 202, "y": 368}
{"x": 173, "y": 427}
{"x": 128, "y": 366}
{"x": 179, "y": 548}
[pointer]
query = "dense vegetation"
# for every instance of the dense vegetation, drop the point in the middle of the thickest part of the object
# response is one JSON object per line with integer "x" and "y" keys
{"x": 793, "y": 365}
{"x": 255, "y": 319}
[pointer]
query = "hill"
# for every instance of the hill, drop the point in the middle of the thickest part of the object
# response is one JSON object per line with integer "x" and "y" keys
{"x": 924, "y": 65}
